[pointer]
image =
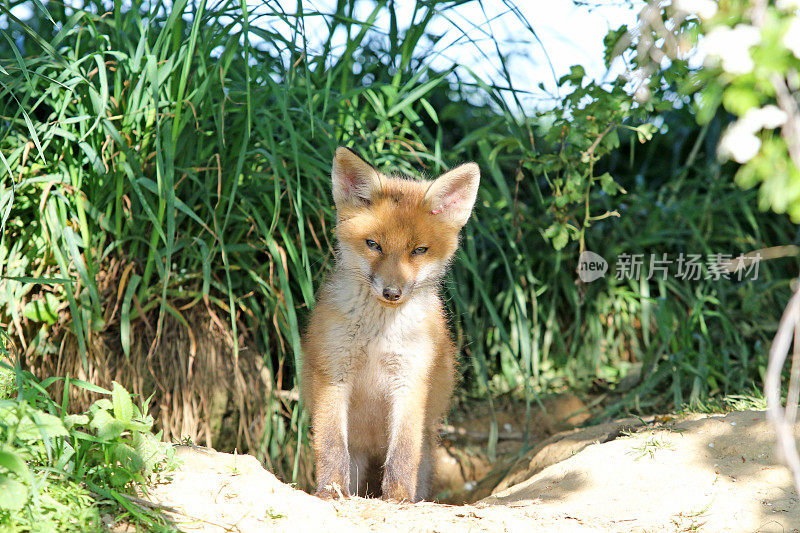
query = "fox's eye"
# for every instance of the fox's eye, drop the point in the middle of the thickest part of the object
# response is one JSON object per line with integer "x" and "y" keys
{"x": 372, "y": 245}
{"x": 419, "y": 251}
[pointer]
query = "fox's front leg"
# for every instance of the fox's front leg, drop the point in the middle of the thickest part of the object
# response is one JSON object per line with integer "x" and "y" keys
{"x": 329, "y": 423}
{"x": 407, "y": 419}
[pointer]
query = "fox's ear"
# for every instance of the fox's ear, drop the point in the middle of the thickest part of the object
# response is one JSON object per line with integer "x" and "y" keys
{"x": 453, "y": 194}
{"x": 354, "y": 180}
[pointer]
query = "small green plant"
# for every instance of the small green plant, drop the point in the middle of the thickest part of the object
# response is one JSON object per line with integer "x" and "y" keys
{"x": 235, "y": 468}
{"x": 585, "y": 129}
{"x": 650, "y": 444}
{"x": 690, "y": 520}
{"x": 61, "y": 471}
{"x": 274, "y": 515}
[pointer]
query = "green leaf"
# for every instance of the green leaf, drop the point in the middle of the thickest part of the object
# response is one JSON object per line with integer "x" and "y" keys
{"x": 123, "y": 406}
{"x": 608, "y": 184}
{"x": 708, "y": 102}
{"x": 414, "y": 95}
{"x": 139, "y": 426}
{"x": 107, "y": 427}
{"x": 125, "y": 314}
{"x": 42, "y": 281}
{"x": 120, "y": 478}
{"x": 38, "y": 425}
{"x": 13, "y": 494}
{"x": 43, "y": 310}
{"x": 102, "y": 403}
{"x": 76, "y": 420}
{"x": 738, "y": 99}
{"x": 12, "y": 461}
{"x": 151, "y": 450}
{"x": 576, "y": 75}
{"x": 558, "y": 235}
{"x": 645, "y": 132}
{"x": 90, "y": 387}
{"x": 128, "y": 458}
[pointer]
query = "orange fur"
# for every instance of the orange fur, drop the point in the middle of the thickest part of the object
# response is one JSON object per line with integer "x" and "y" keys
{"x": 378, "y": 367}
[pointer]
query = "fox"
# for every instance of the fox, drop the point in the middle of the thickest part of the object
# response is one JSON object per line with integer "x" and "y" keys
{"x": 379, "y": 362}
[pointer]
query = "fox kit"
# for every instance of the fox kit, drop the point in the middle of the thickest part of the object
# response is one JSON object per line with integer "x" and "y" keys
{"x": 379, "y": 362}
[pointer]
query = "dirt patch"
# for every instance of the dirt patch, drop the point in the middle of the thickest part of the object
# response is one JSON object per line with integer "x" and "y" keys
{"x": 561, "y": 447}
{"x": 706, "y": 473}
{"x": 219, "y": 492}
{"x": 716, "y": 473}
{"x": 467, "y": 471}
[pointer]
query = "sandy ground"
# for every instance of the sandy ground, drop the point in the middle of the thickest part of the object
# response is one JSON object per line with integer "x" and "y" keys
{"x": 704, "y": 473}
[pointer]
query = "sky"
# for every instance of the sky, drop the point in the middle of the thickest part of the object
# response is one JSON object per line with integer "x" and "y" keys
{"x": 563, "y": 34}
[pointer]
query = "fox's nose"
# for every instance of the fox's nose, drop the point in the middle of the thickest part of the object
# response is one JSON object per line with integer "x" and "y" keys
{"x": 392, "y": 293}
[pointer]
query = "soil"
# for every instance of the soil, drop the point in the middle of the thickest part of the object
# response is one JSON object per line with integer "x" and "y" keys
{"x": 699, "y": 473}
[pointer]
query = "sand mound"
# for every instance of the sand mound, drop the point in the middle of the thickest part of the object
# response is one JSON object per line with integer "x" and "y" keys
{"x": 707, "y": 473}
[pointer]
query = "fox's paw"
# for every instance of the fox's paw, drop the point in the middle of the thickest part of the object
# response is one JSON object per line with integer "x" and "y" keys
{"x": 396, "y": 492}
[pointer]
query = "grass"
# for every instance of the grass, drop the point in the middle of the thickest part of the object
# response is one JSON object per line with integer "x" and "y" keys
{"x": 691, "y": 520}
{"x": 650, "y": 445}
{"x": 169, "y": 169}
{"x": 748, "y": 400}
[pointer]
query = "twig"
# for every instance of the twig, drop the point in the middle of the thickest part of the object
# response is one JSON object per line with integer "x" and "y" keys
{"x": 590, "y": 151}
{"x": 291, "y": 395}
{"x": 783, "y": 419}
{"x": 141, "y": 501}
{"x": 777, "y": 416}
{"x": 790, "y": 129}
{"x": 762, "y": 254}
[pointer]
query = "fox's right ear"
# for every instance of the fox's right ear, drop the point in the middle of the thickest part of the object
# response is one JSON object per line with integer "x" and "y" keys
{"x": 355, "y": 181}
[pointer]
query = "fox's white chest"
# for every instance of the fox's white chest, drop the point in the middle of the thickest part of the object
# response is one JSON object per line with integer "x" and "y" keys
{"x": 380, "y": 348}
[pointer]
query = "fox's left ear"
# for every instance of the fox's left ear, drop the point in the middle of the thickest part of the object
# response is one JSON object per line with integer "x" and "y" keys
{"x": 453, "y": 194}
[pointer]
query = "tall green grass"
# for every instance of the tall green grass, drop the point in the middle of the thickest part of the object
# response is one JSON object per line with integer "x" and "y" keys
{"x": 191, "y": 146}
